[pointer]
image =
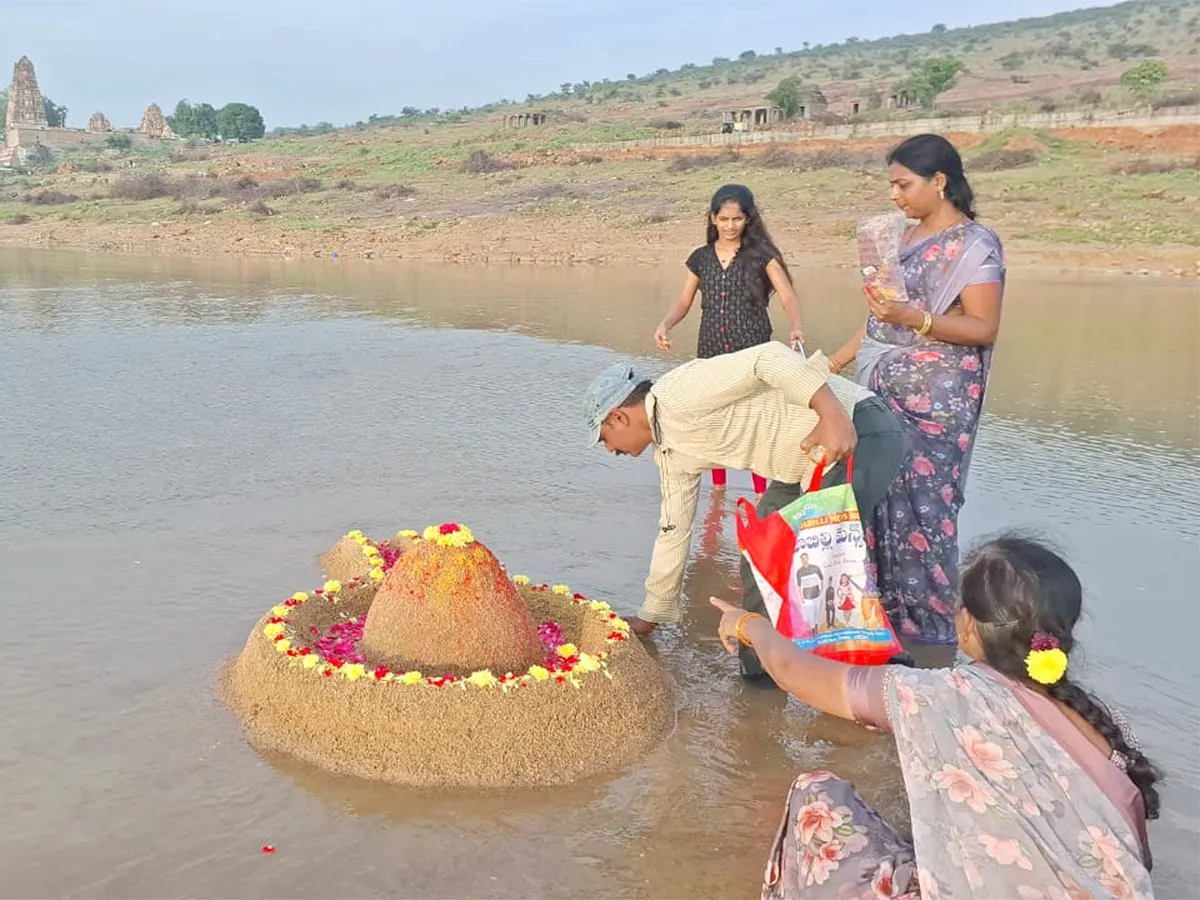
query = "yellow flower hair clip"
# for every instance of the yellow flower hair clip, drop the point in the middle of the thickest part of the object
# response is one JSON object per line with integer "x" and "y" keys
{"x": 1045, "y": 662}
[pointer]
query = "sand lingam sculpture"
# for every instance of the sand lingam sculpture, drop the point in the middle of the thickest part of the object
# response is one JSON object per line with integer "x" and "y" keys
{"x": 422, "y": 662}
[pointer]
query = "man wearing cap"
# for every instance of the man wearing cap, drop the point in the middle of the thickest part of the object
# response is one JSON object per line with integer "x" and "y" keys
{"x": 765, "y": 409}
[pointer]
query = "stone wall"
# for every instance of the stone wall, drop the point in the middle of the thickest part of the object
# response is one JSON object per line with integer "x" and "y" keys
{"x": 1134, "y": 118}
{"x": 60, "y": 139}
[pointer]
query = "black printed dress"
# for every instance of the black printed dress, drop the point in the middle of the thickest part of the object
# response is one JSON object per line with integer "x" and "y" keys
{"x": 730, "y": 318}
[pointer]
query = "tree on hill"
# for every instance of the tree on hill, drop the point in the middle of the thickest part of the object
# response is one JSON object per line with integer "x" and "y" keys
{"x": 1145, "y": 79}
{"x": 191, "y": 120}
{"x": 788, "y": 96}
{"x": 56, "y": 116}
{"x": 239, "y": 122}
{"x": 931, "y": 78}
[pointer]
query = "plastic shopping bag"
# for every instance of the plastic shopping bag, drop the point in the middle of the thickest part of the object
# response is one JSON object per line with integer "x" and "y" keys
{"x": 879, "y": 238}
{"x": 810, "y": 562}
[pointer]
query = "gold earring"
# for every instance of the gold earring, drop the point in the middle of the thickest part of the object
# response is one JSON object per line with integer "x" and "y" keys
{"x": 942, "y": 193}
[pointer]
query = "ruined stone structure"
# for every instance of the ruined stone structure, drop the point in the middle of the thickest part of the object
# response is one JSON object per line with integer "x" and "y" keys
{"x": 751, "y": 116}
{"x": 521, "y": 120}
{"x": 25, "y": 103}
{"x": 99, "y": 124}
{"x": 28, "y": 136}
{"x": 154, "y": 124}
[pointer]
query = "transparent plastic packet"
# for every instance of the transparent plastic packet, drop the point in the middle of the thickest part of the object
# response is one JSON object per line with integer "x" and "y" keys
{"x": 879, "y": 239}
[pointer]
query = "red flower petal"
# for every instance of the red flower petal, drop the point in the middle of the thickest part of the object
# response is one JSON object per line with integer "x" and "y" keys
{"x": 268, "y": 848}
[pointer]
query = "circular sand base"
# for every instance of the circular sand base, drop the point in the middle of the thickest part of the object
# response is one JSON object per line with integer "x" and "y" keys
{"x": 425, "y": 730}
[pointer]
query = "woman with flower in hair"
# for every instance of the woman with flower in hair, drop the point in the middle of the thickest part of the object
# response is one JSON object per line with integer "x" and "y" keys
{"x": 1020, "y": 783}
{"x": 930, "y": 358}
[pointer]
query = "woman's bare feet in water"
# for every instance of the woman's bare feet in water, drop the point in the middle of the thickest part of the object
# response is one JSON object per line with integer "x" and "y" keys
{"x": 641, "y": 627}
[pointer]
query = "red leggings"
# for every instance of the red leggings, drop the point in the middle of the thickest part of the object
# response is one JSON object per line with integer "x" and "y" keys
{"x": 760, "y": 483}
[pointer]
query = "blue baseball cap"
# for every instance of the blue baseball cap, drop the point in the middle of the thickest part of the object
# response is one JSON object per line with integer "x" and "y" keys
{"x": 607, "y": 391}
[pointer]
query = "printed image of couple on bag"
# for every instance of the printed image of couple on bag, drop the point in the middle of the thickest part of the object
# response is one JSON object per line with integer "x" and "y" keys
{"x": 1010, "y": 766}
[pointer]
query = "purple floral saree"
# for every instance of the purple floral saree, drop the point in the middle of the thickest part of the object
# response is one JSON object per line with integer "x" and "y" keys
{"x": 1007, "y": 799}
{"x": 936, "y": 390}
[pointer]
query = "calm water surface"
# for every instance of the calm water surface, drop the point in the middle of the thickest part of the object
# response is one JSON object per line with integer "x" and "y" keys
{"x": 182, "y": 439}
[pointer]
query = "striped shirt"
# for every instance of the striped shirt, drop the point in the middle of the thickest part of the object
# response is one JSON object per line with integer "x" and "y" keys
{"x": 743, "y": 410}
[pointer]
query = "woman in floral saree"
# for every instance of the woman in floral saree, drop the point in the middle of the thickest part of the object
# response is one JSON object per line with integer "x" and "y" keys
{"x": 1020, "y": 783}
{"x": 930, "y": 358}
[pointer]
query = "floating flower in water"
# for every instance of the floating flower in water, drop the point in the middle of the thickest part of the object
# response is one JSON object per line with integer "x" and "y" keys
{"x": 268, "y": 848}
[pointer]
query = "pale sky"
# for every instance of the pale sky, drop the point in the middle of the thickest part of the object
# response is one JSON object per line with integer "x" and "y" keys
{"x": 304, "y": 61}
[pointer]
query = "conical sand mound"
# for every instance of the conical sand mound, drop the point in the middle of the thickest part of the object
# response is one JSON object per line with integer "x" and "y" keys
{"x": 450, "y": 608}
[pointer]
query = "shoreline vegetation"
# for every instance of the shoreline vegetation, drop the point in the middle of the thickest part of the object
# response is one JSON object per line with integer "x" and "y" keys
{"x": 513, "y": 183}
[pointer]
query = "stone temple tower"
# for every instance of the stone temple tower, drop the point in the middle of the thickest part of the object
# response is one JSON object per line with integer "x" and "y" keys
{"x": 25, "y": 104}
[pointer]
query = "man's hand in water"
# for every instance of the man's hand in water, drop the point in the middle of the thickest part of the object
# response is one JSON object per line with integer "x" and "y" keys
{"x": 641, "y": 627}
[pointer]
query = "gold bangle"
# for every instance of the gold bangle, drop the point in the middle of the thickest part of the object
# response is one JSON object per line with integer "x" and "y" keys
{"x": 741, "y": 635}
{"x": 926, "y": 325}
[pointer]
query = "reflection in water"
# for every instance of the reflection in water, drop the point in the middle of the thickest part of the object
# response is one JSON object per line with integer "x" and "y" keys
{"x": 183, "y": 438}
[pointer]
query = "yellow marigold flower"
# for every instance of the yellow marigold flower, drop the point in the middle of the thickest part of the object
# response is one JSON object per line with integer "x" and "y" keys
{"x": 332, "y": 586}
{"x": 561, "y": 589}
{"x": 538, "y": 673}
{"x": 1046, "y": 666}
{"x": 566, "y": 650}
{"x": 371, "y": 550}
{"x": 587, "y": 663}
{"x": 280, "y": 611}
{"x": 376, "y": 574}
{"x": 620, "y": 625}
{"x": 600, "y": 606}
{"x": 310, "y": 661}
{"x": 299, "y": 596}
{"x": 407, "y": 532}
{"x": 410, "y": 678}
{"x": 283, "y": 646}
{"x": 273, "y": 630}
{"x": 482, "y": 679}
{"x": 353, "y": 671}
{"x": 354, "y": 535}
{"x": 521, "y": 580}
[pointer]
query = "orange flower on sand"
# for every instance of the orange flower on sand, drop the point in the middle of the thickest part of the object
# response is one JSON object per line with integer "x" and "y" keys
{"x": 815, "y": 821}
{"x": 1006, "y": 852}
{"x": 960, "y": 787}
{"x": 987, "y": 757}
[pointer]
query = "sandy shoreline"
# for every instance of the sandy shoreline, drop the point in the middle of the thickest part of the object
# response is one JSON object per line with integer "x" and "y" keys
{"x": 567, "y": 241}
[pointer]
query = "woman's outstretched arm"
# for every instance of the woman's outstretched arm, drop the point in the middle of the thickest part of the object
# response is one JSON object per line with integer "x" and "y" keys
{"x": 787, "y": 296}
{"x": 821, "y": 683}
{"x": 678, "y": 310}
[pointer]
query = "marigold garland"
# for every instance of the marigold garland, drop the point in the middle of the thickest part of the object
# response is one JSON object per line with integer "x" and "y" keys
{"x": 569, "y": 664}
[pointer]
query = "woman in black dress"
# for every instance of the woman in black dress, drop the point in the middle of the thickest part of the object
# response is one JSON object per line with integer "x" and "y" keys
{"x": 735, "y": 272}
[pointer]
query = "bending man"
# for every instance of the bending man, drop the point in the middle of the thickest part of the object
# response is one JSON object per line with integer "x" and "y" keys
{"x": 763, "y": 409}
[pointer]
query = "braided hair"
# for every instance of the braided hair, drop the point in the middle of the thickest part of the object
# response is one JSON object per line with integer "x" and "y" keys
{"x": 1015, "y": 587}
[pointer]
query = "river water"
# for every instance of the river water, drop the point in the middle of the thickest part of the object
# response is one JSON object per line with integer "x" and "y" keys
{"x": 183, "y": 438}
